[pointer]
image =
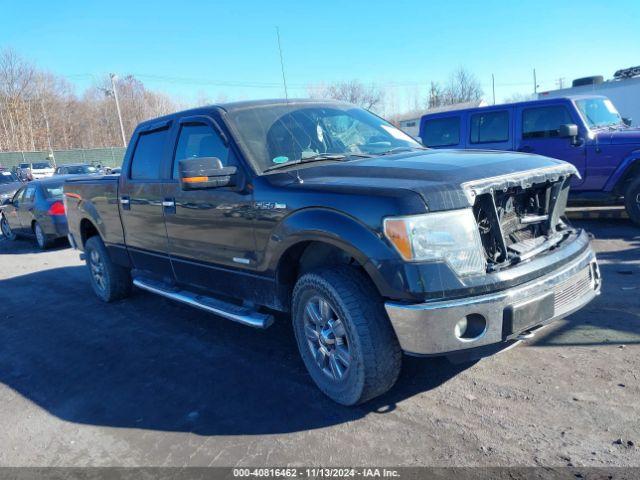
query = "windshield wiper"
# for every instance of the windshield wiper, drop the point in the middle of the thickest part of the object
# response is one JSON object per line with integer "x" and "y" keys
{"x": 401, "y": 149}
{"x": 313, "y": 158}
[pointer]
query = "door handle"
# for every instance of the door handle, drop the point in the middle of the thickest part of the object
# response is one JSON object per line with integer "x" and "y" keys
{"x": 169, "y": 205}
{"x": 125, "y": 201}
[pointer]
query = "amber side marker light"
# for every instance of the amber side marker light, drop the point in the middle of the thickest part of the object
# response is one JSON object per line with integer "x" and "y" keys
{"x": 195, "y": 179}
{"x": 396, "y": 232}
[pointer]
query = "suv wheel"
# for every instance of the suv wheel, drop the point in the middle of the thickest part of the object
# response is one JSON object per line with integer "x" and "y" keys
{"x": 109, "y": 281}
{"x": 632, "y": 201}
{"x": 6, "y": 229}
{"x": 344, "y": 335}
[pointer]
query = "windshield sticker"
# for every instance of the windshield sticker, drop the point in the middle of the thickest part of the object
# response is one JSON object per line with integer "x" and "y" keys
{"x": 280, "y": 160}
{"x": 399, "y": 134}
{"x": 610, "y": 107}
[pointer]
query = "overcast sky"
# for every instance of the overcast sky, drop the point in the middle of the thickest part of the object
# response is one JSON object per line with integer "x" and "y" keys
{"x": 229, "y": 49}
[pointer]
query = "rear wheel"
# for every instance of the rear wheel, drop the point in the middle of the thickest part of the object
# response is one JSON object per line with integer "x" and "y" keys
{"x": 41, "y": 237}
{"x": 6, "y": 229}
{"x": 344, "y": 335}
{"x": 109, "y": 281}
{"x": 632, "y": 201}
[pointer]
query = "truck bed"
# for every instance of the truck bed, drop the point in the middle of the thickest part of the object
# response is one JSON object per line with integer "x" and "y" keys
{"x": 96, "y": 199}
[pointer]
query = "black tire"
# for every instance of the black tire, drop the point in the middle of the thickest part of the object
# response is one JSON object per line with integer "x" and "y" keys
{"x": 110, "y": 282}
{"x": 41, "y": 238}
{"x": 6, "y": 229}
{"x": 632, "y": 201}
{"x": 374, "y": 352}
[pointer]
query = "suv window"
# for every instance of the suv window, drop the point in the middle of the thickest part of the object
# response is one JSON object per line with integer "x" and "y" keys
{"x": 147, "y": 157}
{"x": 199, "y": 140}
{"x": 489, "y": 127}
{"x": 544, "y": 122}
{"x": 441, "y": 132}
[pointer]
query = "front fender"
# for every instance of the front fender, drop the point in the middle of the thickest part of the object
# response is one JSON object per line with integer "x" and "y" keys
{"x": 631, "y": 161}
{"x": 366, "y": 246}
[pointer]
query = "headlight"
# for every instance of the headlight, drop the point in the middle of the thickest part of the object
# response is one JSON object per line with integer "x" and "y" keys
{"x": 449, "y": 236}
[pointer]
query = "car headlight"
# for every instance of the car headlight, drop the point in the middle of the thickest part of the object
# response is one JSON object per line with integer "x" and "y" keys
{"x": 450, "y": 236}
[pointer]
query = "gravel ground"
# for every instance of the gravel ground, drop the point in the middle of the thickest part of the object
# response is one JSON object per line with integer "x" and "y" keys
{"x": 147, "y": 382}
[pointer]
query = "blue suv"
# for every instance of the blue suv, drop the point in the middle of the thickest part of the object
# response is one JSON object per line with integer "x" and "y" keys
{"x": 586, "y": 131}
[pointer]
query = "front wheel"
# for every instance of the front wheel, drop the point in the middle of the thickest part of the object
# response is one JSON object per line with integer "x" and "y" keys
{"x": 344, "y": 335}
{"x": 632, "y": 201}
{"x": 109, "y": 281}
{"x": 6, "y": 228}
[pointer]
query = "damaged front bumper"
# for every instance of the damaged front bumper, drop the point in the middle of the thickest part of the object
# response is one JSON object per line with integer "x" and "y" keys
{"x": 452, "y": 326}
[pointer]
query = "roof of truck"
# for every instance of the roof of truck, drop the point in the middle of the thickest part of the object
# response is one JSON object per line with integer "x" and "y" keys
{"x": 233, "y": 106}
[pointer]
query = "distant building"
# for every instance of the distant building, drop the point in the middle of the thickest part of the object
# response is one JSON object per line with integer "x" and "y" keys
{"x": 410, "y": 121}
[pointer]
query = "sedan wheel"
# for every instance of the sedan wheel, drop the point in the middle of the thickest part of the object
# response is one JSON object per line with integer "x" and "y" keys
{"x": 41, "y": 238}
{"x": 6, "y": 229}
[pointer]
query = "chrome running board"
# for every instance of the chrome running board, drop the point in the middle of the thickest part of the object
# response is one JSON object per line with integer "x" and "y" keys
{"x": 221, "y": 308}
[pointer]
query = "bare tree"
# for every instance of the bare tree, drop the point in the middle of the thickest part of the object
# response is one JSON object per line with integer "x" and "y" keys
{"x": 369, "y": 97}
{"x": 463, "y": 87}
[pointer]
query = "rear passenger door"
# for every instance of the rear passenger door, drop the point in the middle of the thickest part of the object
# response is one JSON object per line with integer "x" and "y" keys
{"x": 491, "y": 130}
{"x": 442, "y": 132}
{"x": 141, "y": 195}
{"x": 26, "y": 207}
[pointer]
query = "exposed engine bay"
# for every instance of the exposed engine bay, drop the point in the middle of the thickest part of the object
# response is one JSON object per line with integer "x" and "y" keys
{"x": 517, "y": 223}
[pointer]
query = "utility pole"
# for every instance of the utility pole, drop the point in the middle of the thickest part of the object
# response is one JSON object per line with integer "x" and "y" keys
{"x": 115, "y": 95}
{"x": 535, "y": 82}
{"x": 493, "y": 87}
{"x": 560, "y": 83}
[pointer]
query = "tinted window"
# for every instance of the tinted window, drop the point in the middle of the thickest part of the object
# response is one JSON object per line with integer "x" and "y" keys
{"x": 544, "y": 122}
{"x": 199, "y": 141}
{"x": 441, "y": 132}
{"x": 7, "y": 177}
{"x": 490, "y": 127}
{"x": 147, "y": 158}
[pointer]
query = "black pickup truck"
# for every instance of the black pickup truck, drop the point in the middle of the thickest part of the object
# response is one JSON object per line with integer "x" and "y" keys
{"x": 373, "y": 244}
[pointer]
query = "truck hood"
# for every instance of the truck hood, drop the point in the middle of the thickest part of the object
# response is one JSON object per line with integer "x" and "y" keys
{"x": 445, "y": 179}
{"x": 619, "y": 137}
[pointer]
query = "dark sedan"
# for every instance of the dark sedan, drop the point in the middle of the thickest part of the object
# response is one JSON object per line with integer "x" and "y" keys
{"x": 9, "y": 185}
{"x": 37, "y": 211}
{"x": 76, "y": 169}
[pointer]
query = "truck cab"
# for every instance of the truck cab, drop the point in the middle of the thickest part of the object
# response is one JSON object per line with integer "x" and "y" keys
{"x": 586, "y": 131}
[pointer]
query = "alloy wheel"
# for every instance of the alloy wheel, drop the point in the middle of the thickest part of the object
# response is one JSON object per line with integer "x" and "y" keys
{"x": 6, "y": 228}
{"x": 327, "y": 338}
{"x": 97, "y": 269}
{"x": 40, "y": 236}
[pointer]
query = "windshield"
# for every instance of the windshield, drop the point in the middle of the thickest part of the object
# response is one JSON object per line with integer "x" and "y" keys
{"x": 40, "y": 166}
{"x": 283, "y": 134}
{"x": 8, "y": 177}
{"x": 599, "y": 112}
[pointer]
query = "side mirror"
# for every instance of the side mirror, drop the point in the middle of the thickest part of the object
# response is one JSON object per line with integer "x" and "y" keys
{"x": 627, "y": 121}
{"x": 570, "y": 130}
{"x": 205, "y": 172}
{"x": 6, "y": 201}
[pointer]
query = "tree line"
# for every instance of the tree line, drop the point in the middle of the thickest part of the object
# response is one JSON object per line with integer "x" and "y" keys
{"x": 42, "y": 111}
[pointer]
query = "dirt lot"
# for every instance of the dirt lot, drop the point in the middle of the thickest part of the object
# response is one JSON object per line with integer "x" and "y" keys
{"x": 150, "y": 382}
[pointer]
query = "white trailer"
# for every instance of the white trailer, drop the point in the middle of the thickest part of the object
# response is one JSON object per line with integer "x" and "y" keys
{"x": 623, "y": 90}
